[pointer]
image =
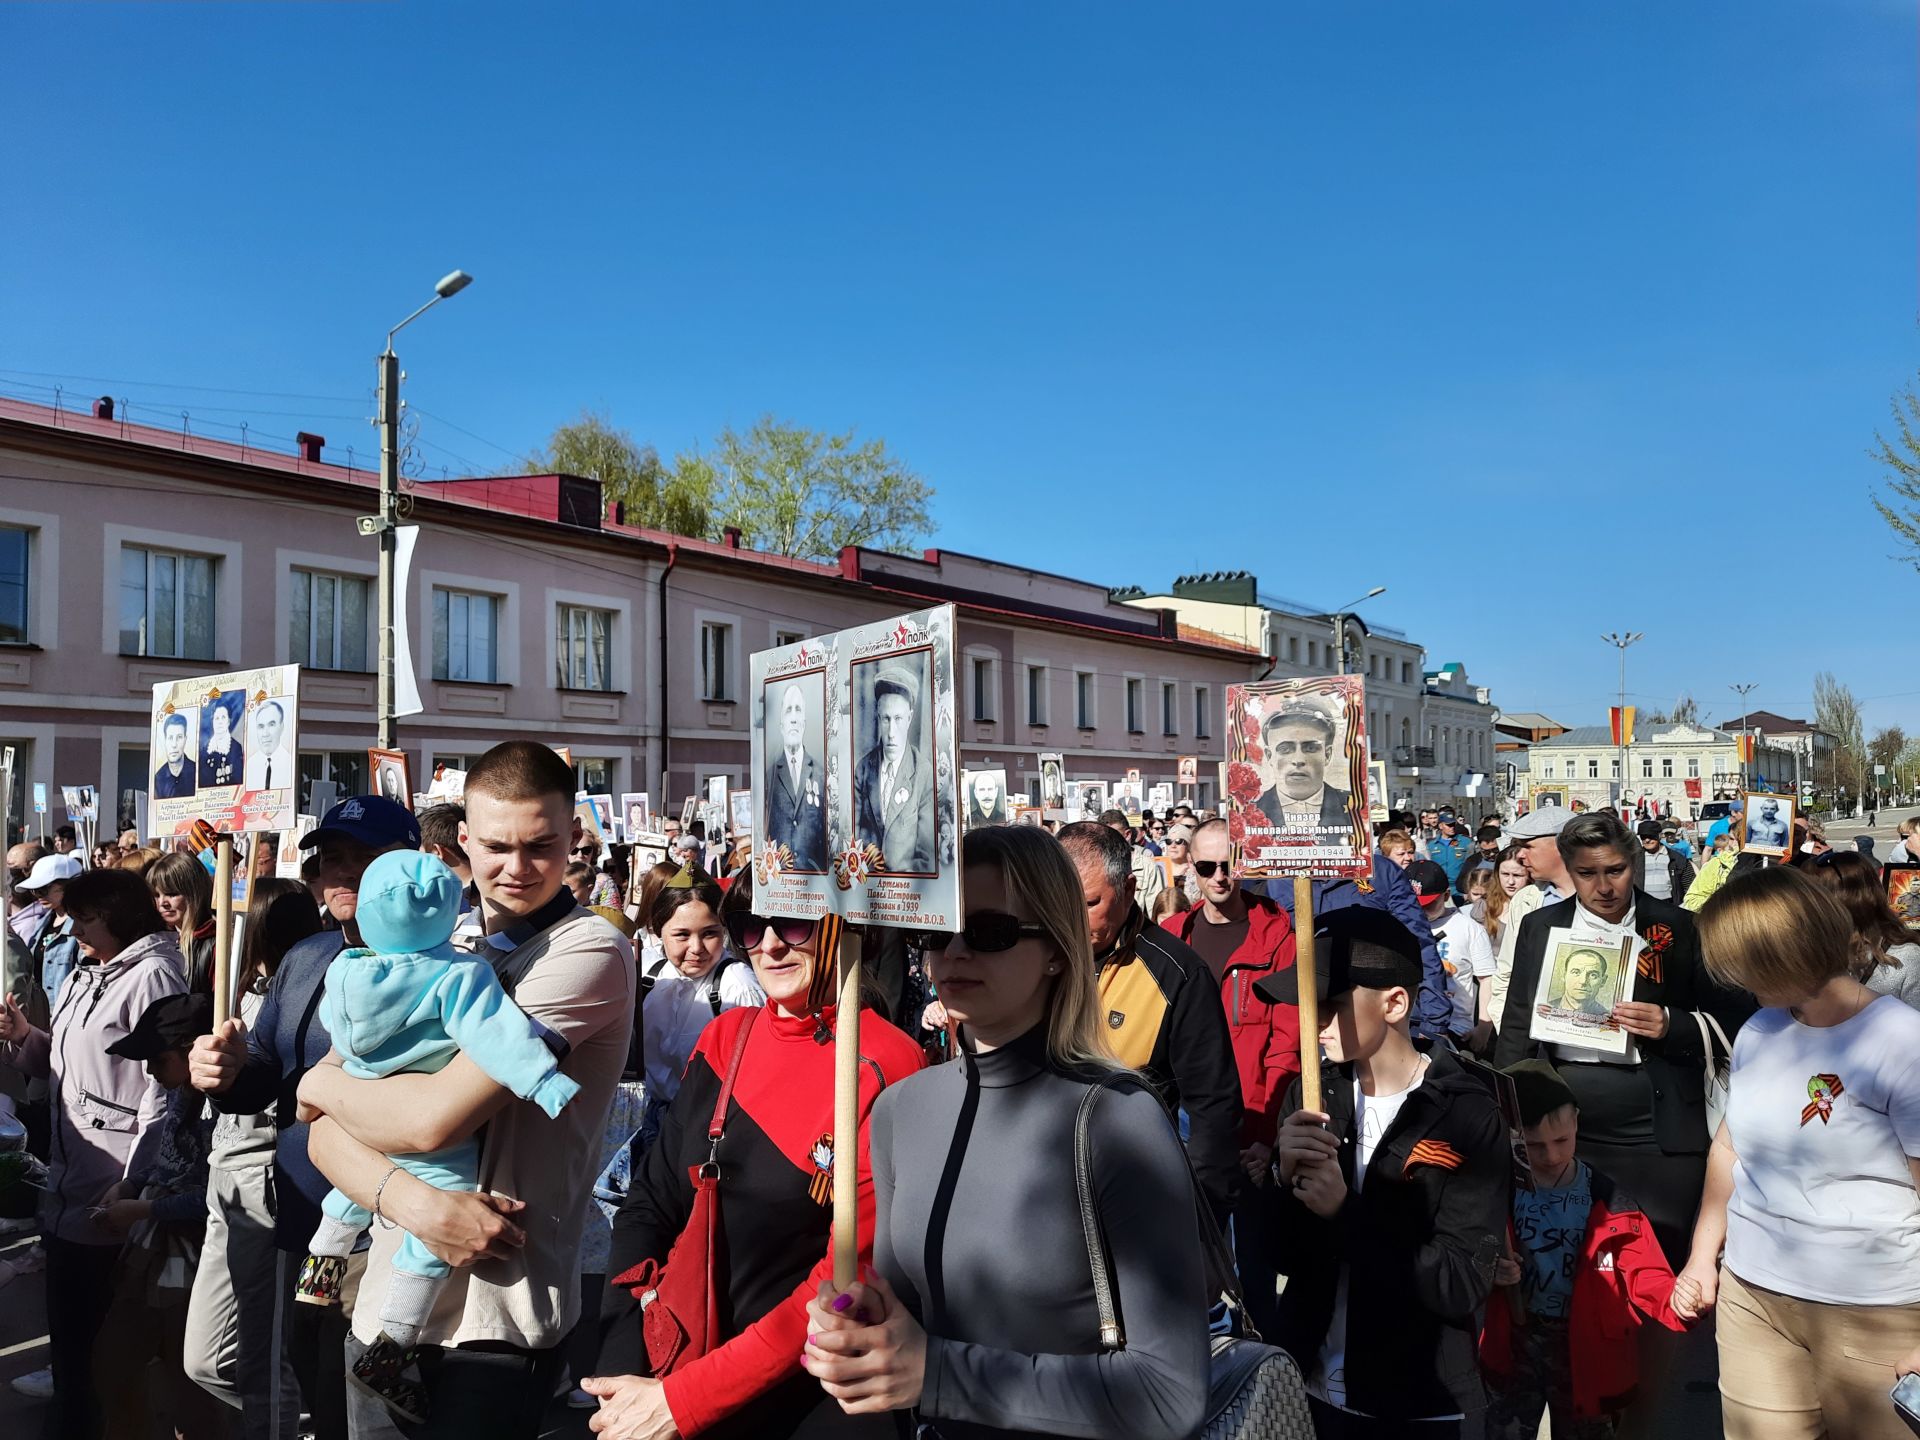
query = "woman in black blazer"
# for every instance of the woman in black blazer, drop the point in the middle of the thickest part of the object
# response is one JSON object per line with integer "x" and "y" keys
{"x": 1643, "y": 1116}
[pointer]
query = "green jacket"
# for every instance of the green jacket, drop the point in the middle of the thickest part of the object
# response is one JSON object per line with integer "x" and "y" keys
{"x": 1712, "y": 876}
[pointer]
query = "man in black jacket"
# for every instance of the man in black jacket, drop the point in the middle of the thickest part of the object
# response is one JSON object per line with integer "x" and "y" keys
{"x": 1393, "y": 1201}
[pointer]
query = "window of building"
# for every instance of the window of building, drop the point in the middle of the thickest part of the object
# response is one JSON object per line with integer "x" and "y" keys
{"x": 1719, "y": 766}
{"x": 345, "y": 768}
{"x": 1313, "y": 652}
{"x": 782, "y": 638}
{"x": 1613, "y": 768}
{"x": 166, "y": 603}
{"x": 1293, "y": 648}
{"x": 1136, "y": 706}
{"x": 1547, "y": 773}
{"x": 1169, "y": 708}
{"x": 15, "y": 552}
{"x": 466, "y": 635}
{"x": 984, "y": 685}
{"x": 1036, "y": 694}
{"x": 131, "y": 781}
{"x": 1693, "y": 767}
{"x": 594, "y": 774}
{"x": 716, "y": 660}
{"x": 1666, "y": 767}
{"x": 585, "y": 648}
{"x": 327, "y": 620}
{"x": 1406, "y": 730}
{"x": 1083, "y": 699}
{"x": 1202, "y": 712}
{"x": 1593, "y": 769}
{"x": 1646, "y": 767}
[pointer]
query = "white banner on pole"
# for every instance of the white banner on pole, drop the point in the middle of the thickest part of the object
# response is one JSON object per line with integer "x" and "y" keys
{"x": 406, "y": 684}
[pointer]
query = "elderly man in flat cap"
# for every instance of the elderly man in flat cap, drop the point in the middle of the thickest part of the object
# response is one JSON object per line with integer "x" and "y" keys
{"x": 1298, "y": 739}
{"x": 893, "y": 783}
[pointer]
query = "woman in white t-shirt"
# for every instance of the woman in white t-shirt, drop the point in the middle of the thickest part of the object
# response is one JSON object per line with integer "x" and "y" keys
{"x": 1813, "y": 1185}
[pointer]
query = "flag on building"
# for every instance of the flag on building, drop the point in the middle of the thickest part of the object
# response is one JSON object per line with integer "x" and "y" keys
{"x": 1621, "y": 718}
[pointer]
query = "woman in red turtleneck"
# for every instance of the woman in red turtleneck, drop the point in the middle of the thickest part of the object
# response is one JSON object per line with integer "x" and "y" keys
{"x": 775, "y": 1203}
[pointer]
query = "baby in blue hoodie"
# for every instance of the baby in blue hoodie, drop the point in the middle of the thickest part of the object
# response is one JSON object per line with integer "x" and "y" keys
{"x": 405, "y": 1001}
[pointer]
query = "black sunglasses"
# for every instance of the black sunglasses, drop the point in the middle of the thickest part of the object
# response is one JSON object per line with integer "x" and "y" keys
{"x": 987, "y": 932}
{"x": 1205, "y": 868}
{"x": 749, "y": 930}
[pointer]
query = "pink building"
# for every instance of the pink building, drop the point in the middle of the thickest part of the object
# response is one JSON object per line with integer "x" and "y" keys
{"x": 130, "y": 554}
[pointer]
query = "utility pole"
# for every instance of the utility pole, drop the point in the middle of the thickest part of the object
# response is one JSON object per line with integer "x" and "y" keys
{"x": 1622, "y": 641}
{"x": 1339, "y": 618}
{"x": 1746, "y": 729}
{"x": 384, "y": 526}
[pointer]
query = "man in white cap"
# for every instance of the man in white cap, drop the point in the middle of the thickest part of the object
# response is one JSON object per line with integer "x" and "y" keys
{"x": 893, "y": 783}
{"x": 1537, "y": 834}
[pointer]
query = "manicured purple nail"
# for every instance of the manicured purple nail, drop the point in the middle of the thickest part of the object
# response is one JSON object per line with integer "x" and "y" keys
{"x": 841, "y": 1302}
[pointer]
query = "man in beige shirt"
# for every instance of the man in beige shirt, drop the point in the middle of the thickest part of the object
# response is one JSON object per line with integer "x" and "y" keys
{"x": 1537, "y": 833}
{"x": 490, "y": 1353}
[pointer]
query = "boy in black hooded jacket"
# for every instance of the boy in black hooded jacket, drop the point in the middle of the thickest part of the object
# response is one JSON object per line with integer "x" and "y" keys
{"x": 1393, "y": 1202}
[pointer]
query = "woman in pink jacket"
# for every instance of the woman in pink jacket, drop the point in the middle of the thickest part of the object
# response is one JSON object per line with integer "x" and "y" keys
{"x": 105, "y": 1110}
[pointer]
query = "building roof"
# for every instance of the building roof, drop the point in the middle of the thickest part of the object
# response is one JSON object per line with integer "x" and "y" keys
{"x": 1530, "y": 720}
{"x": 1591, "y": 736}
{"x": 1766, "y": 722}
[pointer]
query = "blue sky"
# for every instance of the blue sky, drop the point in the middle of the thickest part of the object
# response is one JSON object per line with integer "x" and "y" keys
{"x": 1542, "y": 316}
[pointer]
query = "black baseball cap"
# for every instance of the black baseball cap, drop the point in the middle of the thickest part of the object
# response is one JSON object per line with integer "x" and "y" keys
{"x": 1429, "y": 881}
{"x": 370, "y": 820}
{"x": 173, "y": 1022}
{"x": 1357, "y": 948}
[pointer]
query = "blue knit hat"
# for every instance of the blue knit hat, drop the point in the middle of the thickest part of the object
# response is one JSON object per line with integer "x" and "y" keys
{"x": 409, "y": 903}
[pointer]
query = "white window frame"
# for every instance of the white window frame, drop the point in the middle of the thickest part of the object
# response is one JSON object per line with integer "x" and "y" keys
{"x": 1086, "y": 716}
{"x": 620, "y": 642}
{"x": 285, "y": 562}
{"x": 983, "y": 705}
{"x": 370, "y": 614}
{"x": 1666, "y": 767}
{"x": 1134, "y": 702}
{"x": 496, "y": 603}
{"x": 506, "y": 631}
{"x": 1546, "y": 772}
{"x": 229, "y": 580}
{"x": 43, "y": 577}
{"x": 1593, "y": 767}
{"x": 1693, "y": 767}
{"x": 783, "y": 637}
{"x": 732, "y": 679}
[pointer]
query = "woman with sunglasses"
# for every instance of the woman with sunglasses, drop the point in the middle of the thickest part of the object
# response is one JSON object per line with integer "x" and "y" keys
{"x": 775, "y": 1198}
{"x": 981, "y": 1317}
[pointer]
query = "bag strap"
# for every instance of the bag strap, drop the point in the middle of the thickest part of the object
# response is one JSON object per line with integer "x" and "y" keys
{"x": 1707, "y": 1023}
{"x": 717, "y": 1125}
{"x": 1221, "y": 1277}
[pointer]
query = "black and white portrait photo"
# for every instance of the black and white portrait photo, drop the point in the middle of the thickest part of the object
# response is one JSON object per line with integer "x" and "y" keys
{"x": 270, "y": 761}
{"x": 391, "y": 777}
{"x": 223, "y": 755}
{"x": 636, "y": 811}
{"x": 1769, "y": 825}
{"x": 986, "y": 792}
{"x": 177, "y": 775}
{"x": 894, "y": 776}
{"x": 1300, "y": 743}
{"x": 1053, "y": 786}
{"x": 796, "y": 776}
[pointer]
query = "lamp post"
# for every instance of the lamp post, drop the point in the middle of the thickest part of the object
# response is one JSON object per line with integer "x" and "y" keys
{"x": 1340, "y": 618}
{"x": 1622, "y": 641}
{"x": 384, "y": 526}
{"x": 1745, "y": 727}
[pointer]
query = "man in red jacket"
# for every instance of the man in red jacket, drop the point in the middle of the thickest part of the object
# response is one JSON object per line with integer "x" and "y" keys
{"x": 1244, "y": 937}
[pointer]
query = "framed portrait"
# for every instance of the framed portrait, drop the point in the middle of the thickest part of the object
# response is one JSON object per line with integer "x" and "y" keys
{"x": 1903, "y": 892}
{"x": 1297, "y": 777}
{"x": 1766, "y": 827}
{"x": 225, "y": 748}
{"x": 589, "y": 819}
{"x": 790, "y": 801}
{"x": 636, "y": 815}
{"x": 717, "y": 788}
{"x": 392, "y": 776}
{"x": 1160, "y": 798}
{"x": 1187, "y": 770}
{"x": 565, "y": 752}
{"x": 1086, "y": 799}
{"x": 1541, "y": 799}
{"x": 987, "y": 802}
{"x": 1053, "y": 781}
{"x": 1379, "y": 807}
{"x": 854, "y": 748}
{"x": 686, "y": 811}
{"x": 603, "y": 812}
{"x": 740, "y": 813}
{"x": 1581, "y": 981}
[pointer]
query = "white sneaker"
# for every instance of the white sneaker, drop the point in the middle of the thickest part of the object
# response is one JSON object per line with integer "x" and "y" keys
{"x": 578, "y": 1399}
{"x": 36, "y": 1385}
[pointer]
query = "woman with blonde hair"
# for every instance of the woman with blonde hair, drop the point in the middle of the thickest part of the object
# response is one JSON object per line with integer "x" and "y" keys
{"x": 183, "y": 894}
{"x": 1813, "y": 1185}
{"x": 981, "y": 1337}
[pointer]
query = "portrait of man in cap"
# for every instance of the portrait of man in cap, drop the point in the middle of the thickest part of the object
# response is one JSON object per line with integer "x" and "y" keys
{"x": 893, "y": 783}
{"x": 796, "y": 780}
{"x": 1298, "y": 739}
{"x": 1053, "y": 786}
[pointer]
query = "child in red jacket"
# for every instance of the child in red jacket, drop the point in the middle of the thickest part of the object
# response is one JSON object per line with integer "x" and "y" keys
{"x": 1585, "y": 1271}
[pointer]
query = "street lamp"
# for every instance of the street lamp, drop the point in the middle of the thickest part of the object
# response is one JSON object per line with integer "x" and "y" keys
{"x": 1743, "y": 691}
{"x": 1340, "y": 618}
{"x": 385, "y": 524}
{"x": 1623, "y": 641}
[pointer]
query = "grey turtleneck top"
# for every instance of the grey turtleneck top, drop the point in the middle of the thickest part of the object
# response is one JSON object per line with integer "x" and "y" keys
{"x": 978, "y": 1231}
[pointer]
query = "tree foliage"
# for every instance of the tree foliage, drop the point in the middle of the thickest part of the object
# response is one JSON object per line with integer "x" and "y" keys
{"x": 1685, "y": 711}
{"x": 1836, "y": 711}
{"x": 629, "y": 472}
{"x": 1900, "y": 459}
{"x": 807, "y": 494}
{"x": 1886, "y": 746}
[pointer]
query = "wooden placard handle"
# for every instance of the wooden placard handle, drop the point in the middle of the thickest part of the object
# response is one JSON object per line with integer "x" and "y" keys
{"x": 846, "y": 1115}
{"x": 1308, "y": 976}
{"x": 222, "y": 931}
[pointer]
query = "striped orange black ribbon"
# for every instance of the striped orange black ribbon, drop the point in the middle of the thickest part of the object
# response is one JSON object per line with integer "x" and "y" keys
{"x": 1436, "y": 1153}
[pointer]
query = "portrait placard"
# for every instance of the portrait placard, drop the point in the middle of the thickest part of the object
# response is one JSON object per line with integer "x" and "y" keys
{"x": 636, "y": 815}
{"x": 1544, "y": 797}
{"x": 1768, "y": 829}
{"x": 1086, "y": 799}
{"x": 1378, "y": 806}
{"x": 986, "y": 797}
{"x": 1581, "y": 980}
{"x": 287, "y": 862}
{"x": 649, "y": 850}
{"x": 858, "y": 812}
{"x": 227, "y": 748}
{"x": 1128, "y": 798}
{"x": 589, "y": 819}
{"x": 1187, "y": 770}
{"x": 740, "y": 814}
{"x": 1160, "y": 798}
{"x": 1903, "y": 892}
{"x": 1296, "y": 767}
{"x": 391, "y": 775}
{"x": 686, "y": 811}
{"x": 1053, "y": 781}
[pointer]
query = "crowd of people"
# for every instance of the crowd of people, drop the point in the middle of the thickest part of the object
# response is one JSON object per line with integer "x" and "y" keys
{"x": 498, "y": 1122}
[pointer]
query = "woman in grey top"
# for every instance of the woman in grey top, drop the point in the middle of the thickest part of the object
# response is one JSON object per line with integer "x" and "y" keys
{"x": 1889, "y": 961}
{"x": 981, "y": 1317}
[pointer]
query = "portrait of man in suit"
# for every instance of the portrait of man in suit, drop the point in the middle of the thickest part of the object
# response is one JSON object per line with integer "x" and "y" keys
{"x": 893, "y": 784}
{"x": 269, "y": 766}
{"x": 987, "y": 798}
{"x": 1298, "y": 740}
{"x": 1053, "y": 788}
{"x": 796, "y": 783}
{"x": 176, "y": 777}
{"x": 223, "y": 758}
{"x": 1583, "y": 984}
